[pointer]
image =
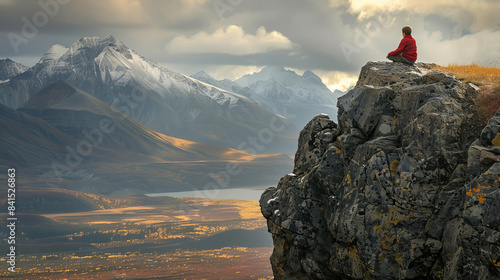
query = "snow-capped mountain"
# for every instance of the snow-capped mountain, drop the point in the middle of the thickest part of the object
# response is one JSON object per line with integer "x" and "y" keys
{"x": 164, "y": 100}
{"x": 284, "y": 92}
{"x": 9, "y": 69}
{"x": 279, "y": 84}
{"x": 225, "y": 84}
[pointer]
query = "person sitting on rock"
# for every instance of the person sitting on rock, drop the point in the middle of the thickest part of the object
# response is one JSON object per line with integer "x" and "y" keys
{"x": 407, "y": 50}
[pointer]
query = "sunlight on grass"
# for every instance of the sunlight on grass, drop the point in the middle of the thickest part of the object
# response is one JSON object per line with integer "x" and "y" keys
{"x": 250, "y": 210}
{"x": 473, "y": 73}
{"x": 488, "y": 80}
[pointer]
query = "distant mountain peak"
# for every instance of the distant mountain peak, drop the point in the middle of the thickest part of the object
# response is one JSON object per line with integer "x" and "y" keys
{"x": 284, "y": 77}
{"x": 110, "y": 40}
{"x": 309, "y": 73}
{"x": 311, "y": 76}
{"x": 279, "y": 90}
{"x": 10, "y": 68}
{"x": 201, "y": 74}
{"x": 54, "y": 53}
{"x": 97, "y": 44}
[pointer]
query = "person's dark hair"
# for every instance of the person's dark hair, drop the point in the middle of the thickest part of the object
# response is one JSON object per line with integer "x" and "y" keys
{"x": 407, "y": 30}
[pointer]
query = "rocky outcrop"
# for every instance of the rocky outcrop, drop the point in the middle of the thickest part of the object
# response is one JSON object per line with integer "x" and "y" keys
{"x": 405, "y": 186}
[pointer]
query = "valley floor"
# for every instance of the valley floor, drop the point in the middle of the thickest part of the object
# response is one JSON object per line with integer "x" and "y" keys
{"x": 184, "y": 238}
{"x": 225, "y": 263}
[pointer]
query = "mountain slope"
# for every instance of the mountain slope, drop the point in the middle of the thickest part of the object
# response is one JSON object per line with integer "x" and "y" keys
{"x": 28, "y": 140}
{"x": 64, "y": 137}
{"x": 60, "y": 102}
{"x": 225, "y": 84}
{"x": 163, "y": 100}
{"x": 9, "y": 69}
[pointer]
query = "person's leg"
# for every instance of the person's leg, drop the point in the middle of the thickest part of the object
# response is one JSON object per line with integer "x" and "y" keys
{"x": 406, "y": 61}
{"x": 396, "y": 58}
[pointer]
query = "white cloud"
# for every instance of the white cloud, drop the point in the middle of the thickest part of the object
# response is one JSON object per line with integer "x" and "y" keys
{"x": 230, "y": 40}
{"x": 482, "y": 47}
{"x": 334, "y": 80}
{"x": 337, "y": 80}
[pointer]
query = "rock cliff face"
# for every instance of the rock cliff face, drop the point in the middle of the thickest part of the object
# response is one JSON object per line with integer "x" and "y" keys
{"x": 405, "y": 186}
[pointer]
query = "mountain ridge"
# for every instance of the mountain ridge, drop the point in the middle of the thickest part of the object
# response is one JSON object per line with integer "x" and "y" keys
{"x": 63, "y": 97}
{"x": 283, "y": 92}
{"x": 10, "y": 69}
{"x": 164, "y": 100}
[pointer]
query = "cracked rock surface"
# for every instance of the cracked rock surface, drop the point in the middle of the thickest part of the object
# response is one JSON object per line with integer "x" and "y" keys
{"x": 405, "y": 186}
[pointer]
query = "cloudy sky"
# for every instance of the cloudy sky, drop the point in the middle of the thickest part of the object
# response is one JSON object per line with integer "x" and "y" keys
{"x": 229, "y": 38}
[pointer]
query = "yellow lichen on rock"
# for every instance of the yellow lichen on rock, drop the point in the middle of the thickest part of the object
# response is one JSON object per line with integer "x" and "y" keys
{"x": 496, "y": 140}
{"x": 394, "y": 165}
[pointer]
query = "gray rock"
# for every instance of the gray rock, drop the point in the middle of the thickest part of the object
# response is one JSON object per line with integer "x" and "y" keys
{"x": 363, "y": 107}
{"x": 405, "y": 187}
{"x": 314, "y": 139}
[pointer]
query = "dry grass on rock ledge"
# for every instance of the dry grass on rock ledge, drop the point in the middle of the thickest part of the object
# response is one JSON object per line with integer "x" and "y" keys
{"x": 488, "y": 80}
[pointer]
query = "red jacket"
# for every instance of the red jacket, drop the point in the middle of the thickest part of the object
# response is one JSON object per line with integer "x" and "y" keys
{"x": 407, "y": 48}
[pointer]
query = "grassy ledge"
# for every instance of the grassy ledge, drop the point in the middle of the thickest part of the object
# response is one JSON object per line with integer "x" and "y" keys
{"x": 488, "y": 80}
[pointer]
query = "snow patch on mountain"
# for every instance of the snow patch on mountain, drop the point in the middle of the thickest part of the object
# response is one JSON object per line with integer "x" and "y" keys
{"x": 170, "y": 102}
{"x": 118, "y": 65}
{"x": 54, "y": 53}
{"x": 280, "y": 84}
{"x": 282, "y": 91}
{"x": 10, "y": 69}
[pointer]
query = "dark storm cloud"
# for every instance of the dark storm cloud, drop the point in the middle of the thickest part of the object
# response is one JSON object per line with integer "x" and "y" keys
{"x": 13, "y": 11}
